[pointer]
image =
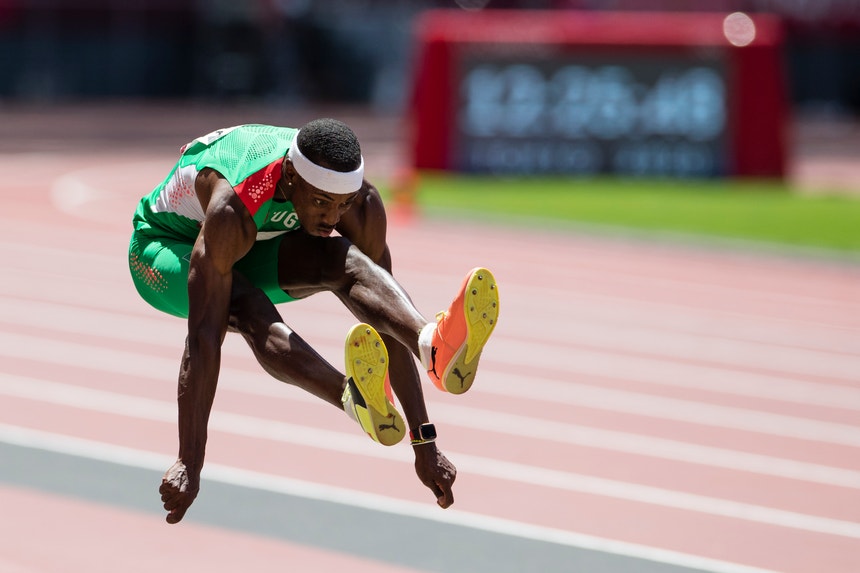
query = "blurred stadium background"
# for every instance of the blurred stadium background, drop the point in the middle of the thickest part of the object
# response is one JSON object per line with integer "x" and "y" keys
{"x": 286, "y": 54}
{"x": 295, "y": 51}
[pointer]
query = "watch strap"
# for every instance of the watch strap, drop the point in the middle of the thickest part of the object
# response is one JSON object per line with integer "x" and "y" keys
{"x": 422, "y": 434}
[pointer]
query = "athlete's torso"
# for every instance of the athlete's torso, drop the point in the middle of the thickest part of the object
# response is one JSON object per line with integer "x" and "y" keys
{"x": 249, "y": 157}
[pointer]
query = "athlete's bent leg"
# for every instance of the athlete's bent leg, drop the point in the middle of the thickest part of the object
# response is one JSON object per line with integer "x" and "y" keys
{"x": 448, "y": 349}
{"x": 374, "y": 296}
{"x": 311, "y": 264}
{"x": 279, "y": 350}
{"x": 288, "y": 358}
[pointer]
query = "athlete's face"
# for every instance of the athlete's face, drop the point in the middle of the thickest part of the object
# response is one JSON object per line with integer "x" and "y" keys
{"x": 318, "y": 211}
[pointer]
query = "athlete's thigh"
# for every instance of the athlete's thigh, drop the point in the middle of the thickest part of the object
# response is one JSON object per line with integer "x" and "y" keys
{"x": 159, "y": 270}
{"x": 261, "y": 268}
{"x": 308, "y": 264}
{"x": 252, "y": 309}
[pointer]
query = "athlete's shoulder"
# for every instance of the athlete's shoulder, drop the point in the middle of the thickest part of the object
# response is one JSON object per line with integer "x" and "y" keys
{"x": 366, "y": 207}
{"x": 371, "y": 201}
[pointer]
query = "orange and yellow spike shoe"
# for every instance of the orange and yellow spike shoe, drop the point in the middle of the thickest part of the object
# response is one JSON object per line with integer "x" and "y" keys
{"x": 366, "y": 394}
{"x": 462, "y": 331}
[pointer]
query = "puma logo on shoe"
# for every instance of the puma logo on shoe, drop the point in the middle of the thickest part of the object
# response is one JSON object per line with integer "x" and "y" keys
{"x": 456, "y": 372}
{"x": 391, "y": 426}
{"x": 433, "y": 362}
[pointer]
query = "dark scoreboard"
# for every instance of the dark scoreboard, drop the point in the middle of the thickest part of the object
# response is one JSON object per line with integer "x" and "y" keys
{"x": 650, "y": 94}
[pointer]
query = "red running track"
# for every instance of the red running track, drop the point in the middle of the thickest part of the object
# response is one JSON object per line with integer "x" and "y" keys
{"x": 695, "y": 406}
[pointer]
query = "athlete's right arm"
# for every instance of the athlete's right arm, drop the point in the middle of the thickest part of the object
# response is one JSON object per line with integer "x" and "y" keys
{"x": 226, "y": 235}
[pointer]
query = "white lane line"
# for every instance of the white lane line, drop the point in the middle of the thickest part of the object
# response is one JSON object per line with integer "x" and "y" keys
{"x": 571, "y": 393}
{"x": 686, "y": 411}
{"x": 703, "y": 290}
{"x": 277, "y": 484}
{"x": 782, "y": 332}
{"x": 577, "y": 362}
{"x": 732, "y": 379}
{"x": 616, "y": 266}
{"x": 721, "y": 352}
{"x": 637, "y": 444}
{"x": 598, "y": 438}
{"x": 238, "y": 424}
{"x": 591, "y": 437}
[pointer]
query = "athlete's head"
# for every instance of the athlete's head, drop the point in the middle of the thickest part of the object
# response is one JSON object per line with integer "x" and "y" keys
{"x": 324, "y": 171}
{"x": 330, "y": 143}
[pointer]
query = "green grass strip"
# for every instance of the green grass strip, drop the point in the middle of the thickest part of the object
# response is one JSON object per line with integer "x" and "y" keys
{"x": 762, "y": 211}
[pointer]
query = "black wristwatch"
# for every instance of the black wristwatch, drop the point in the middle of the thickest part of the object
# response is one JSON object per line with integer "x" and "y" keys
{"x": 423, "y": 434}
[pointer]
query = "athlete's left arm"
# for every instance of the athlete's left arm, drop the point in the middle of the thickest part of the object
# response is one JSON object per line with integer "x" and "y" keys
{"x": 365, "y": 225}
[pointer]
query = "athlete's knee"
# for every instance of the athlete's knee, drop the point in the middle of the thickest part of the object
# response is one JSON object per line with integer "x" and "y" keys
{"x": 357, "y": 264}
{"x": 341, "y": 264}
{"x": 355, "y": 267}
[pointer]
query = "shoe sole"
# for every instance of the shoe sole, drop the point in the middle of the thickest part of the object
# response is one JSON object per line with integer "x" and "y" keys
{"x": 481, "y": 309}
{"x": 366, "y": 360}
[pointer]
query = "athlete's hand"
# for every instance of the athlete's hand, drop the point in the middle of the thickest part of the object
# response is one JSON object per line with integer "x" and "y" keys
{"x": 436, "y": 472}
{"x": 179, "y": 487}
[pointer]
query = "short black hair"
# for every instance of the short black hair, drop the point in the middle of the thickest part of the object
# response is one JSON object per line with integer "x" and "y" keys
{"x": 330, "y": 143}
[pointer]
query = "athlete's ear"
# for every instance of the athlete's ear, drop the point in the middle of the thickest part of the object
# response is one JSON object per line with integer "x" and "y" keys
{"x": 288, "y": 172}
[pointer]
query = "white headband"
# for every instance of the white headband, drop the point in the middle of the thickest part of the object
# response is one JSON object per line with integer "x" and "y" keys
{"x": 327, "y": 180}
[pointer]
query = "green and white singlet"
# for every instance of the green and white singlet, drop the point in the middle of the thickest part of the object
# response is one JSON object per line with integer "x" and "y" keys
{"x": 167, "y": 220}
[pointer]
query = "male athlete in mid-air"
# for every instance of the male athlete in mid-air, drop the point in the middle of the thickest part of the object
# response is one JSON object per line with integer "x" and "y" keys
{"x": 246, "y": 220}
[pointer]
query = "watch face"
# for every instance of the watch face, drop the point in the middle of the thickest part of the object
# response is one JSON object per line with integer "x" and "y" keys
{"x": 423, "y": 433}
{"x": 428, "y": 432}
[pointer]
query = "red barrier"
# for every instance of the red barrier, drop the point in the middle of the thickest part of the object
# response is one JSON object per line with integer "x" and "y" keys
{"x": 662, "y": 94}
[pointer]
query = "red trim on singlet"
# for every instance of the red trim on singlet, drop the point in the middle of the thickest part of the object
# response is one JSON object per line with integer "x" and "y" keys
{"x": 259, "y": 187}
